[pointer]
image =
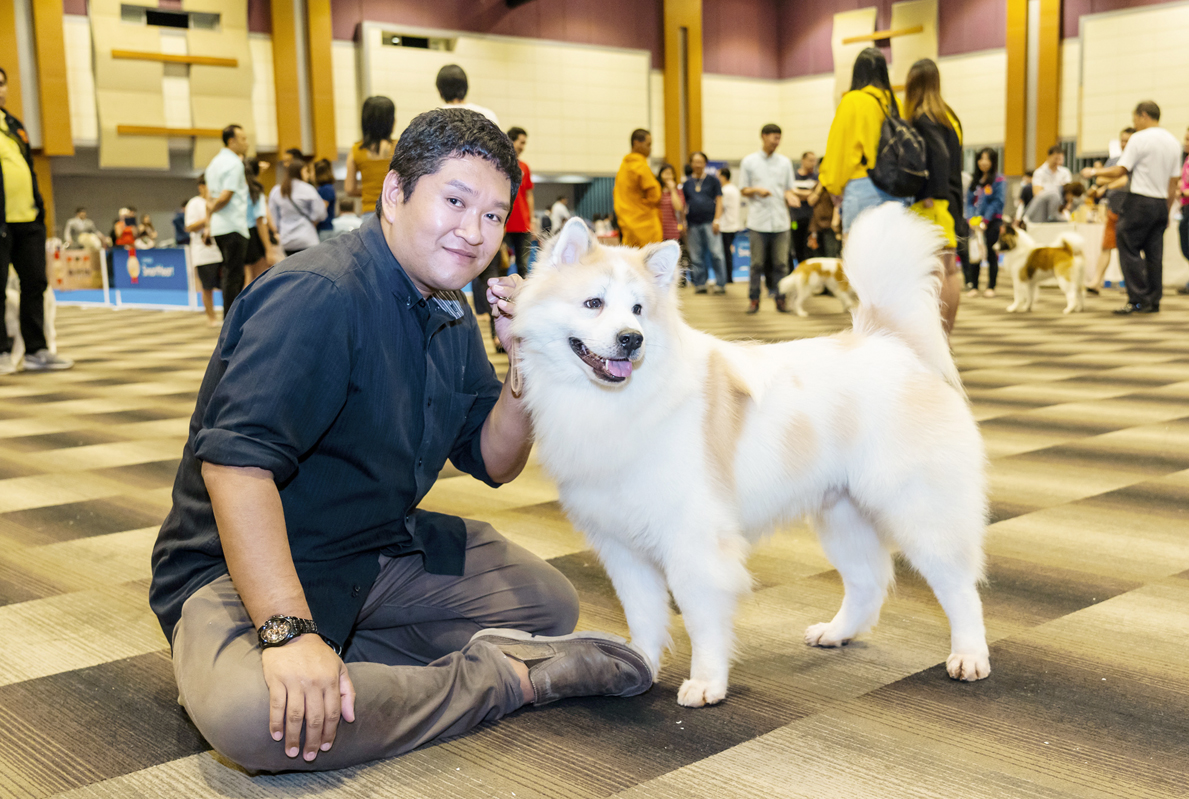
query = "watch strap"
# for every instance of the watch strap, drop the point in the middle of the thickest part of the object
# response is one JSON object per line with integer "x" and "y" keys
{"x": 297, "y": 627}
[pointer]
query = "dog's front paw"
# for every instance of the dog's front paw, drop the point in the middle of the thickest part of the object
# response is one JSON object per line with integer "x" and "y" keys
{"x": 823, "y": 635}
{"x": 968, "y": 667}
{"x": 802, "y": 313}
{"x": 1011, "y": 308}
{"x": 696, "y": 693}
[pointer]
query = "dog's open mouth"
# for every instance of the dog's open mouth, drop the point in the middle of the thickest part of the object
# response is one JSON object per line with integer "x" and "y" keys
{"x": 611, "y": 370}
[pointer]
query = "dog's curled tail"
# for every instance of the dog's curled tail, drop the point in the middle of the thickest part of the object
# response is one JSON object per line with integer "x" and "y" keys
{"x": 1071, "y": 243}
{"x": 892, "y": 262}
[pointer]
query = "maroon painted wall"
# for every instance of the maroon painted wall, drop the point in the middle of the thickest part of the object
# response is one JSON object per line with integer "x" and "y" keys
{"x": 740, "y": 37}
{"x": 1073, "y": 10}
{"x": 613, "y": 23}
{"x": 259, "y": 16}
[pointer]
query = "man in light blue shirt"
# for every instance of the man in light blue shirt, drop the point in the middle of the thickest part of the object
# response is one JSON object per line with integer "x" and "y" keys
{"x": 767, "y": 183}
{"x": 227, "y": 188}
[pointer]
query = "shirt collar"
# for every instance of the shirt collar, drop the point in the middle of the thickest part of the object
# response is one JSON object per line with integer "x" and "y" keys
{"x": 447, "y": 303}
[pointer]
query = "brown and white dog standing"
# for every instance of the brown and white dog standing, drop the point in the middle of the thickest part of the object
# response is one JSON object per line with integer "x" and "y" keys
{"x": 675, "y": 451}
{"x": 1028, "y": 264}
{"x": 808, "y": 279}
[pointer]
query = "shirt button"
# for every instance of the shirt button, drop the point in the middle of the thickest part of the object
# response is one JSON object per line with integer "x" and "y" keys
{"x": 419, "y": 462}
{"x": 355, "y": 590}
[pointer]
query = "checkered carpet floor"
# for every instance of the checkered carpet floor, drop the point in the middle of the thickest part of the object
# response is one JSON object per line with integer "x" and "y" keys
{"x": 1086, "y": 419}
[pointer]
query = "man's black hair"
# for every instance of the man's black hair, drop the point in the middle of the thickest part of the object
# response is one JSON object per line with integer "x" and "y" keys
{"x": 229, "y": 133}
{"x": 639, "y": 134}
{"x": 1150, "y": 108}
{"x": 444, "y": 133}
{"x": 771, "y": 127}
{"x": 1056, "y": 148}
{"x": 452, "y": 83}
{"x": 871, "y": 69}
{"x": 725, "y": 172}
{"x": 1128, "y": 130}
{"x": 202, "y": 180}
{"x": 5, "y": 74}
{"x": 806, "y": 153}
{"x": 516, "y": 133}
{"x": 698, "y": 152}
{"x": 80, "y": 208}
{"x": 296, "y": 153}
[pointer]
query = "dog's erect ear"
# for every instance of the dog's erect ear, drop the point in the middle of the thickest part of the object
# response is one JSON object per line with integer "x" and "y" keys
{"x": 574, "y": 241}
{"x": 661, "y": 260}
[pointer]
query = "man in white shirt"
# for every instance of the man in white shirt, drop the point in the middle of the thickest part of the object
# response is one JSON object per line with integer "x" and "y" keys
{"x": 205, "y": 256}
{"x": 227, "y": 205}
{"x": 732, "y": 219}
{"x": 452, "y": 87}
{"x": 559, "y": 214}
{"x": 767, "y": 182}
{"x": 1052, "y": 172}
{"x": 347, "y": 220}
{"x": 1152, "y": 160}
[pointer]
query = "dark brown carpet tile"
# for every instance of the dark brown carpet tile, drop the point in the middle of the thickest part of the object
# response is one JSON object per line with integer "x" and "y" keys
{"x": 1108, "y": 378}
{"x": 1004, "y": 509}
{"x": 12, "y": 466}
{"x": 156, "y": 474}
{"x": 49, "y": 396}
{"x": 1150, "y": 498}
{"x": 48, "y": 441}
{"x": 1024, "y": 423}
{"x": 80, "y": 727}
{"x": 17, "y": 586}
{"x": 74, "y": 520}
{"x": 1097, "y": 454}
{"x": 1074, "y": 716}
{"x": 154, "y": 414}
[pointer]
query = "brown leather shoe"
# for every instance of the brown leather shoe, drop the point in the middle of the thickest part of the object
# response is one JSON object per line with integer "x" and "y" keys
{"x": 579, "y": 664}
{"x": 753, "y": 306}
{"x": 780, "y": 307}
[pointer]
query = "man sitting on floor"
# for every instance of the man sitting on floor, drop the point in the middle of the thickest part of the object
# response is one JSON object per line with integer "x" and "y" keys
{"x": 295, "y": 578}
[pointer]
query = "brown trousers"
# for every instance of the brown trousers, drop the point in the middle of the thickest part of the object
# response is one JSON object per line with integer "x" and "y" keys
{"x": 416, "y": 676}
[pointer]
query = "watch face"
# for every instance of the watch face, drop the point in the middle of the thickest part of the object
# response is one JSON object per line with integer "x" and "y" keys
{"x": 274, "y": 631}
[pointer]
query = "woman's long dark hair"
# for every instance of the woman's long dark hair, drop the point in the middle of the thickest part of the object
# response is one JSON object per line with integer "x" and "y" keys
{"x": 252, "y": 173}
{"x": 871, "y": 69}
{"x": 982, "y": 178}
{"x": 661, "y": 171}
{"x": 378, "y": 121}
{"x": 291, "y": 174}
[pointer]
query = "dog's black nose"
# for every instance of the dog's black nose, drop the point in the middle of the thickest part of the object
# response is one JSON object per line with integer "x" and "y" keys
{"x": 630, "y": 340}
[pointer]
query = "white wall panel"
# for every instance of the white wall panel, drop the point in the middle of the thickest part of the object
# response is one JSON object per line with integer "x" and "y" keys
{"x": 975, "y": 86}
{"x": 579, "y": 104}
{"x": 807, "y": 109}
{"x": 344, "y": 63}
{"x": 264, "y": 97}
{"x": 656, "y": 83}
{"x": 1071, "y": 67}
{"x": 80, "y": 80}
{"x": 1129, "y": 56}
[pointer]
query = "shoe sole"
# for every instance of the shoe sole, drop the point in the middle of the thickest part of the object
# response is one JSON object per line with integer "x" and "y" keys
{"x": 521, "y": 635}
{"x": 39, "y": 368}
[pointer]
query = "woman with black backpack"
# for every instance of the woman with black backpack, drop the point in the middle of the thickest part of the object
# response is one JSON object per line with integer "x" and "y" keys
{"x": 939, "y": 199}
{"x": 854, "y": 140}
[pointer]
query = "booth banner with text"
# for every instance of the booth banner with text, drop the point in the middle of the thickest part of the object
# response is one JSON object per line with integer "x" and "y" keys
{"x": 151, "y": 269}
{"x": 75, "y": 270}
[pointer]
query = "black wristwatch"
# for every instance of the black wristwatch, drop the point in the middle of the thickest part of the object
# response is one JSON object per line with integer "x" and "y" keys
{"x": 280, "y": 630}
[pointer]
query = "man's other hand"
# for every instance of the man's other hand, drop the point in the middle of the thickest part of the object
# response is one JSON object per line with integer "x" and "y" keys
{"x": 501, "y": 296}
{"x": 307, "y": 684}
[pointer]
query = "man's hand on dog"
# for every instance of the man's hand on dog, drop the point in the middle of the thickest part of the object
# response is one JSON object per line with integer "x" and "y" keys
{"x": 501, "y": 295}
{"x": 307, "y": 684}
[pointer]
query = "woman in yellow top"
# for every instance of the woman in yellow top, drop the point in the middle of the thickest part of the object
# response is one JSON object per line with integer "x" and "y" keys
{"x": 854, "y": 139}
{"x": 367, "y": 163}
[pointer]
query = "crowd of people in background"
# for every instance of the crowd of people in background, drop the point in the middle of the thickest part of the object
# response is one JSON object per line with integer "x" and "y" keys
{"x": 235, "y": 231}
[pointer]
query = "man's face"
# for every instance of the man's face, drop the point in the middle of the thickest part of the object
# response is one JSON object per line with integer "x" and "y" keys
{"x": 239, "y": 142}
{"x": 808, "y": 162}
{"x": 770, "y": 141}
{"x": 520, "y": 143}
{"x": 698, "y": 163}
{"x": 3, "y": 91}
{"x": 82, "y": 214}
{"x": 447, "y": 232}
{"x": 644, "y": 148}
{"x": 1056, "y": 160}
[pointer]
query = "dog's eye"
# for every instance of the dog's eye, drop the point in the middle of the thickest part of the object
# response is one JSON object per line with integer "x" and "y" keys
{"x": 637, "y": 309}
{"x": 594, "y": 303}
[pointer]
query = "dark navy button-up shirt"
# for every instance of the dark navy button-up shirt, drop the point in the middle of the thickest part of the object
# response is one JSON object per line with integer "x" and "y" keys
{"x": 336, "y": 375}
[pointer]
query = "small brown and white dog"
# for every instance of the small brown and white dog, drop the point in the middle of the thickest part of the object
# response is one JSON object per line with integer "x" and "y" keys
{"x": 808, "y": 279}
{"x": 674, "y": 451}
{"x": 1028, "y": 264}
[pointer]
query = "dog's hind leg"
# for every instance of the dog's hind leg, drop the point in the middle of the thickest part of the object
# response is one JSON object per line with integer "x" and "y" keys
{"x": 707, "y": 584}
{"x": 950, "y": 560}
{"x": 641, "y": 589}
{"x": 864, "y": 563}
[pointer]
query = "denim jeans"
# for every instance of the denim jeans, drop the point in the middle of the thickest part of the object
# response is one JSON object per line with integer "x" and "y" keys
{"x": 861, "y": 194}
{"x": 702, "y": 240}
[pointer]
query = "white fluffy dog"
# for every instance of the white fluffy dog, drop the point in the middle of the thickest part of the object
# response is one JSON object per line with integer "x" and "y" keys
{"x": 1029, "y": 264}
{"x": 808, "y": 279}
{"x": 675, "y": 451}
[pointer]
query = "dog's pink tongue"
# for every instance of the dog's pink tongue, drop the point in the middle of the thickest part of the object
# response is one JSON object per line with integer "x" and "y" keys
{"x": 620, "y": 368}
